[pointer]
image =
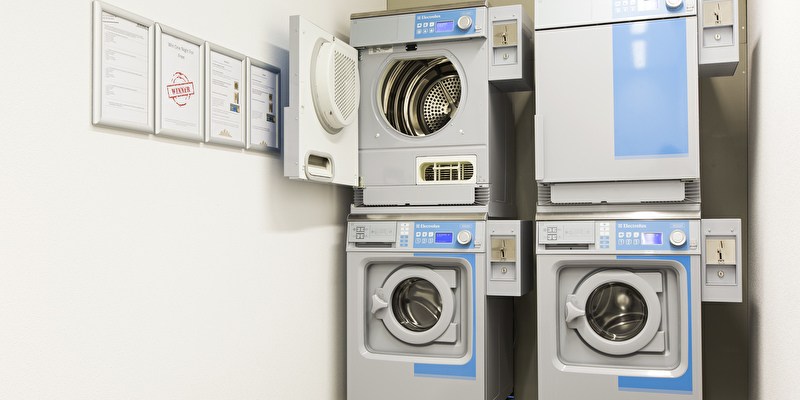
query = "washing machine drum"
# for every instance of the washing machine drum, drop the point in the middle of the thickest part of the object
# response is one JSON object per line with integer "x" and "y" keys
{"x": 417, "y": 304}
{"x": 419, "y": 97}
{"x": 616, "y": 312}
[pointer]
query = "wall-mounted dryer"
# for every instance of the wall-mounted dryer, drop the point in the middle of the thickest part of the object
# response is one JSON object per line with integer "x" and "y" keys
{"x": 413, "y": 111}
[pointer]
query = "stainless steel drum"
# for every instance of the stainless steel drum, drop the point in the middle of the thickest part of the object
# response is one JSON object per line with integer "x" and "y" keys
{"x": 420, "y": 96}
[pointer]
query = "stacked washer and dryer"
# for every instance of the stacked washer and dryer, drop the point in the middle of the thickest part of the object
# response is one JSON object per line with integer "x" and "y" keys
{"x": 413, "y": 113}
{"x": 623, "y": 257}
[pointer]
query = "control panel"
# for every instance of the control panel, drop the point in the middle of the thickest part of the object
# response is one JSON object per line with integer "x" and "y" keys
{"x": 627, "y": 9}
{"x": 626, "y": 236}
{"x": 718, "y": 44}
{"x": 722, "y": 260}
{"x": 438, "y": 24}
{"x": 510, "y": 258}
{"x": 417, "y": 235}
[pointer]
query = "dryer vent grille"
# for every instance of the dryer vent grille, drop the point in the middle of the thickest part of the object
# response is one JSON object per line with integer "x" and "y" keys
{"x": 345, "y": 84}
{"x": 358, "y": 197}
{"x": 453, "y": 171}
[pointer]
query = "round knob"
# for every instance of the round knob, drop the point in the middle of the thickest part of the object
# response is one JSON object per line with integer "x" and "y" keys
{"x": 465, "y": 22}
{"x": 464, "y": 237}
{"x": 673, "y": 4}
{"x": 677, "y": 238}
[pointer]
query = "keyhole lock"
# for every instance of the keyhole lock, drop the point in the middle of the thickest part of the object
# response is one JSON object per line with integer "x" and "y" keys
{"x": 721, "y": 274}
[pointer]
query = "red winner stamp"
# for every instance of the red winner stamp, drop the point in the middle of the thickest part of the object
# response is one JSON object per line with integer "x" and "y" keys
{"x": 181, "y": 89}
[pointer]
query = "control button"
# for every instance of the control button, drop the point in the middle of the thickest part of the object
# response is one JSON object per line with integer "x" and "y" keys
{"x": 618, "y": 10}
{"x": 419, "y": 31}
{"x": 417, "y": 240}
{"x": 636, "y": 234}
{"x": 628, "y": 234}
{"x": 424, "y": 31}
{"x": 464, "y": 237}
{"x": 673, "y": 4}
{"x": 677, "y": 238}
{"x": 359, "y": 235}
{"x": 465, "y": 22}
{"x": 419, "y": 25}
{"x": 621, "y": 234}
{"x": 617, "y": 3}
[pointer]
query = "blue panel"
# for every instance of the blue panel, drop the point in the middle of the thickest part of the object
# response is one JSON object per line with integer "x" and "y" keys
{"x": 682, "y": 384}
{"x": 464, "y": 371}
{"x": 434, "y": 234}
{"x": 440, "y": 24}
{"x": 651, "y": 109}
{"x": 649, "y": 235}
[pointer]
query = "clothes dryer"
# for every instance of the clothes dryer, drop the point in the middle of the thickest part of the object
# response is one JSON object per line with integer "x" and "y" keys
{"x": 617, "y": 119}
{"x": 414, "y": 110}
{"x": 619, "y": 309}
{"x": 426, "y": 318}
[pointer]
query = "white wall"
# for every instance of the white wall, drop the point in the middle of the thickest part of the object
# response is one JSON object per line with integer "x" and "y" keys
{"x": 136, "y": 267}
{"x": 774, "y": 197}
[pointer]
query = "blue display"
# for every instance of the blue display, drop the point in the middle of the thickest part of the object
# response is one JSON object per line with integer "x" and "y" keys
{"x": 445, "y": 26}
{"x": 651, "y": 238}
{"x": 444, "y": 237}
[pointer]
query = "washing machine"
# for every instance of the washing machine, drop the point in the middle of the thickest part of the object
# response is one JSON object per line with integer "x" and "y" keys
{"x": 430, "y": 304}
{"x": 413, "y": 111}
{"x": 617, "y": 116}
{"x": 618, "y": 305}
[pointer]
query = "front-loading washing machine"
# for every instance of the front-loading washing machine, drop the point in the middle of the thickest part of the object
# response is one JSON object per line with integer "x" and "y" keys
{"x": 430, "y": 304}
{"x": 414, "y": 111}
{"x": 619, "y": 309}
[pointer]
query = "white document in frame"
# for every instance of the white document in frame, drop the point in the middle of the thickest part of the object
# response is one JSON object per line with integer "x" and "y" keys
{"x": 226, "y": 109}
{"x": 180, "y": 70}
{"x": 125, "y": 62}
{"x": 263, "y": 120}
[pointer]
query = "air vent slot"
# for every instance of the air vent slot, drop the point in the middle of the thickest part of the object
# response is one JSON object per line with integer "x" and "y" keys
{"x": 448, "y": 170}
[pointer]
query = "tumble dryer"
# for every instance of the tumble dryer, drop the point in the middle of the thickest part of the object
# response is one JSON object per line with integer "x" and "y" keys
{"x": 617, "y": 118}
{"x": 413, "y": 111}
{"x": 618, "y": 307}
{"x": 429, "y": 305}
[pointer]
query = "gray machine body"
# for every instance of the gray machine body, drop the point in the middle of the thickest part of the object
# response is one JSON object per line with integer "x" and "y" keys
{"x": 617, "y": 116}
{"x": 480, "y": 133}
{"x": 587, "y": 268}
{"x": 467, "y": 353}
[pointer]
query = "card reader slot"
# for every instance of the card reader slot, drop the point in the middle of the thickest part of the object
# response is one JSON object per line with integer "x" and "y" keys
{"x": 375, "y": 245}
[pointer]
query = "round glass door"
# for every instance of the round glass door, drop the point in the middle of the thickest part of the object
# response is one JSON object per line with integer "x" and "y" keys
{"x": 417, "y": 304}
{"x": 616, "y": 311}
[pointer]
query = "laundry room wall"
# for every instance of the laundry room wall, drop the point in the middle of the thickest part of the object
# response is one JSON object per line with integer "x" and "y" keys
{"x": 139, "y": 267}
{"x": 774, "y": 192}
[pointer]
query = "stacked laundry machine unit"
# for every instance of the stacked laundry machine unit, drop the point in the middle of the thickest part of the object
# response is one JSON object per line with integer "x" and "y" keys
{"x": 623, "y": 257}
{"x": 413, "y": 113}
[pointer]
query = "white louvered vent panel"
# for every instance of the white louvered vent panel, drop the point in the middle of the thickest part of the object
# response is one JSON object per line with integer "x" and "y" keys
{"x": 345, "y": 84}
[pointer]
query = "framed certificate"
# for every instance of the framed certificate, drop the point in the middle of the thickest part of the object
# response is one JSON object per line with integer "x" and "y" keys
{"x": 263, "y": 106}
{"x": 180, "y": 76}
{"x": 225, "y": 114}
{"x": 122, "y": 68}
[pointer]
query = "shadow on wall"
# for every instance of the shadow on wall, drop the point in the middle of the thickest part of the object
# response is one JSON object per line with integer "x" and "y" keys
{"x": 753, "y": 250}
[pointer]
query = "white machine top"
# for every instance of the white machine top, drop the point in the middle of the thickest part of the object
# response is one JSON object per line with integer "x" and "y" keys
{"x": 551, "y": 14}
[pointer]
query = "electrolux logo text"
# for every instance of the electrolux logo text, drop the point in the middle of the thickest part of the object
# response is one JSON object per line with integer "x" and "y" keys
{"x": 632, "y": 226}
{"x": 429, "y": 16}
{"x": 428, "y": 226}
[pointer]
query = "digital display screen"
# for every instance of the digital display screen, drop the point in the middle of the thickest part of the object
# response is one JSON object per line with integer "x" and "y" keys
{"x": 444, "y": 26}
{"x": 444, "y": 237}
{"x": 651, "y": 238}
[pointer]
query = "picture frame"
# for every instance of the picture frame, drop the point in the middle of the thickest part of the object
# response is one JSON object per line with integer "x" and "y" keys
{"x": 263, "y": 110}
{"x": 122, "y": 69}
{"x": 180, "y": 84}
{"x": 225, "y": 81}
